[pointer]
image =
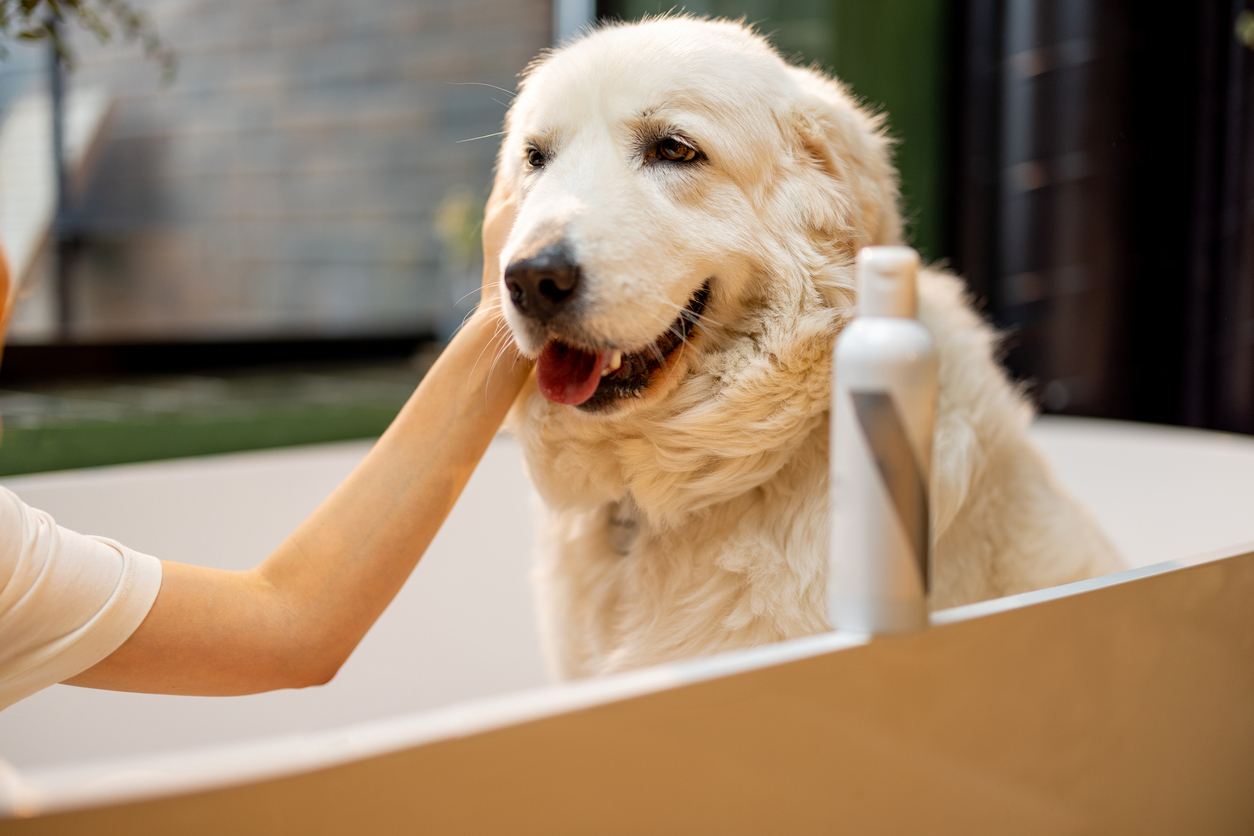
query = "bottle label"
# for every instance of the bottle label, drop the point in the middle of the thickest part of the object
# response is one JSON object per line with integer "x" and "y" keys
{"x": 903, "y": 477}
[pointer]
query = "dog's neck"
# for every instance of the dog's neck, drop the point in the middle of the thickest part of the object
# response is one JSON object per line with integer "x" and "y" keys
{"x": 734, "y": 422}
{"x": 624, "y": 527}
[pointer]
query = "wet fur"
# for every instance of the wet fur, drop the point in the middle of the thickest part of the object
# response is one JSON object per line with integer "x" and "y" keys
{"x": 695, "y": 520}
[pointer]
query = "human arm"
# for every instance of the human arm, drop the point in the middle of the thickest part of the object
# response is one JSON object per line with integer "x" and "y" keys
{"x": 294, "y": 619}
{"x": 8, "y": 293}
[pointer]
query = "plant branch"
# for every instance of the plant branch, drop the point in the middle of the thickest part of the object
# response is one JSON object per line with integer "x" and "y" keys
{"x": 35, "y": 20}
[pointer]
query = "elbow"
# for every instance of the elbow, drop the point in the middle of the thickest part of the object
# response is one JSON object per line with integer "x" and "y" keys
{"x": 312, "y": 673}
{"x": 320, "y": 676}
{"x": 304, "y": 649}
{"x": 297, "y": 679}
{"x": 292, "y": 664}
{"x": 316, "y": 669}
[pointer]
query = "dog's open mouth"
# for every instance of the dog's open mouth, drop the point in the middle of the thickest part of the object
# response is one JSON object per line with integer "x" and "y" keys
{"x": 592, "y": 379}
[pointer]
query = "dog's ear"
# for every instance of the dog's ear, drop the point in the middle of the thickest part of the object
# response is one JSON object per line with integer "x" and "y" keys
{"x": 853, "y": 195}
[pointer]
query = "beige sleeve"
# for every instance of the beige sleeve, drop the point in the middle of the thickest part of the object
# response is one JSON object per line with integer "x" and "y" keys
{"x": 66, "y": 600}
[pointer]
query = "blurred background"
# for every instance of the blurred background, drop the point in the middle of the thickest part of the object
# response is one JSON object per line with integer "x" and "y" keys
{"x": 270, "y": 247}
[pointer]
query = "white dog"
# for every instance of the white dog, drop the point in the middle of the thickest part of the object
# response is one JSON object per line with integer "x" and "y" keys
{"x": 689, "y": 210}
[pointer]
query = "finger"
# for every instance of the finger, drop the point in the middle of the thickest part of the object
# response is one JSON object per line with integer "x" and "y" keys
{"x": 498, "y": 219}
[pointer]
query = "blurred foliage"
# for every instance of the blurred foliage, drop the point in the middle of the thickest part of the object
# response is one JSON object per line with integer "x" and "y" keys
{"x": 458, "y": 222}
{"x": 35, "y": 20}
{"x": 1244, "y": 28}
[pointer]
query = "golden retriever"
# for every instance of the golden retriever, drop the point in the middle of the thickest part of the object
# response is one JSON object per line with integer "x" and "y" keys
{"x": 682, "y": 259}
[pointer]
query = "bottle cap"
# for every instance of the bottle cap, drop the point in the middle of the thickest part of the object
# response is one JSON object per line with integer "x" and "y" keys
{"x": 887, "y": 278}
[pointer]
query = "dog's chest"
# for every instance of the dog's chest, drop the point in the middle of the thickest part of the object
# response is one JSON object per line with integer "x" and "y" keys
{"x": 641, "y": 578}
{"x": 623, "y": 526}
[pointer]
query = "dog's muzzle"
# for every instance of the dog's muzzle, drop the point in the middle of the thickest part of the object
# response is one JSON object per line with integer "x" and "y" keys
{"x": 544, "y": 285}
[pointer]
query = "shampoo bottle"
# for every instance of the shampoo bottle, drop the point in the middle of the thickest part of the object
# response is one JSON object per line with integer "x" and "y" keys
{"x": 883, "y": 412}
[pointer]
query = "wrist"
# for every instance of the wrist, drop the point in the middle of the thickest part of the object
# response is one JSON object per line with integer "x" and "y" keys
{"x": 490, "y": 334}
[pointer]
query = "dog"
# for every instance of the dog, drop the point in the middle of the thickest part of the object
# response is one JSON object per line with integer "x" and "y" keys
{"x": 689, "y": 211}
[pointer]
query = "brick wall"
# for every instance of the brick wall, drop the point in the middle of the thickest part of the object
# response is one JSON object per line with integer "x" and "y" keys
{"x": 290, "y": 179}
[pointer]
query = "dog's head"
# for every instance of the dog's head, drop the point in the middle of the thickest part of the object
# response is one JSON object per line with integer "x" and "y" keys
{"x": 677, "y": 182}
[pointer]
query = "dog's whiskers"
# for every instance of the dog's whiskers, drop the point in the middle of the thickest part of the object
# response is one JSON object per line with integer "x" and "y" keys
{"x": 509, "y": 93}
{"x": 466, "y": 296}
{"x": 678, "y": 359}
{"x": 495, "y": 342}
{"x": 485, "y": 136}
{"x": 682, "y": 311}
{"x": 680, "y": 335}
{"x": 499, "y": 342}
{"x": 497, "y": 355}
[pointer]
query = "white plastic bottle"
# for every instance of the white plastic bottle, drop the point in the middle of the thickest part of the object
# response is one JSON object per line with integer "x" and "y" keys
{"x": 883, "y": 414}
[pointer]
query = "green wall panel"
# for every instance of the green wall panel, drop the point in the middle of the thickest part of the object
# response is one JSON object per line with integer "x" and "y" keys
{"x": 895, "y": 54}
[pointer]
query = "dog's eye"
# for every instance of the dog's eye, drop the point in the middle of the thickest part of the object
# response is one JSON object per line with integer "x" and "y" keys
{"x": 676, "y": 151}
{"x": 535, "y": 158}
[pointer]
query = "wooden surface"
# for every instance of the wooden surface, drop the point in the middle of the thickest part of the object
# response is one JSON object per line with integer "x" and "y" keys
{"x": 1126, "y": 709}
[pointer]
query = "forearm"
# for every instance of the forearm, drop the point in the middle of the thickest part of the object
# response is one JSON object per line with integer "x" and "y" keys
{"x": 348, "y": 560}
{"x": 295, "y": 618}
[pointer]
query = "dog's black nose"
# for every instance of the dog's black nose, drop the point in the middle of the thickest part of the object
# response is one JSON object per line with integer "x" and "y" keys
{"x": 542, "y": 285}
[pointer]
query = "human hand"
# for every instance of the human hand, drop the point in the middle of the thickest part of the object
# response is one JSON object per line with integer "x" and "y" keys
{"x": 498, "y": 220}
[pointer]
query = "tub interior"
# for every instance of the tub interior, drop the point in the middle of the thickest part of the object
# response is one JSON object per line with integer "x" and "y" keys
{"x": 463, "y": 627}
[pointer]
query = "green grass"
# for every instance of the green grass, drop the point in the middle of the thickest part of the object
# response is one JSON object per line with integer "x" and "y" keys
{"x": 115, "y": 422}
{"x": 64, "y": 447}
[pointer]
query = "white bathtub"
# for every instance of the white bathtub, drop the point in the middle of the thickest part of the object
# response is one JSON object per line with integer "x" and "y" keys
{"x": 457, "y": 651}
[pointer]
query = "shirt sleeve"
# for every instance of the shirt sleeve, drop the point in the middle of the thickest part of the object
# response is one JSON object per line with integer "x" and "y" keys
{"x": 66, "y": 600}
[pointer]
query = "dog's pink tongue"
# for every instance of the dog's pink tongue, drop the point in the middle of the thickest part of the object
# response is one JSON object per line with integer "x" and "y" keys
{"x": 567, "y": 374}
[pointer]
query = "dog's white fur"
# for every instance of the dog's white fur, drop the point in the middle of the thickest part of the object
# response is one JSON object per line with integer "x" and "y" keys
{"x": 695, "y": 519}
